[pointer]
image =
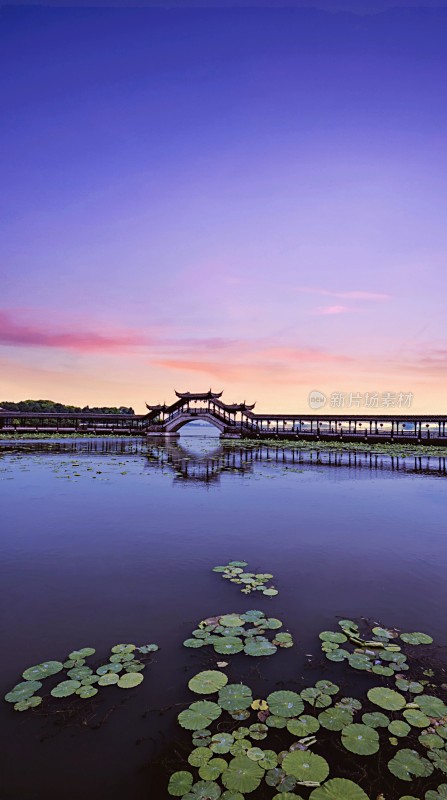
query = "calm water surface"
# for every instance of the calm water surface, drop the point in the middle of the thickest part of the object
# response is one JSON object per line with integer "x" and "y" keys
{"x": 107, "y": 541}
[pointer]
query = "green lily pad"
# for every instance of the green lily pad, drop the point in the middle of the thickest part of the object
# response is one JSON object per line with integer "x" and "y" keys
{"x": 360, "y": 739}
{"x": 270, "y": 592}
{"x": 231, "y": 620}
{"x": 258, "y": 731}
{"x": 305, "y": 766}
{"x": 235, "y": 697}
{"x": 408, "y": 764}
{"x": 431, "y": 741}
{"x": 28, "y": 702}
{"x": 123, "y": 648}
{"x": 375, "y": 719}
{"x": 108, "y": 679}
{"x": 431, "y": 706}
{"x": 303, "y": 726}
{"x": 85, "y": 692}
{"x": 316, "y": 697}
{"x": 207, "y": 682}
{"x": 199, "y": 715}
{"x": 242, "y": 775}
{"x": 130, "y": 680}
{"x": 221, "y": 742}
{"x": 148, "y": 648}
{"x": 65, "y": 688}
{"x": 339, "y": 789}
{"x": 386, "y": 698}
{"x": 83, "y": 652}
{"x": 212, "y": 769}
{"x": 415, "y": 718}
{"x": 180, "y": 783}
{"x": 22, "y": 691}
{"x": 229, "y": 645}
{"x": 335, "y": 719}
{"x": 349, "y": 702}
{"x": 203, "y": 790}
{"x": 416, "y": 638}
{"x": 399, "y": 728}
{"x": 409, "y": 686}
{"x": 43, "y": 670}
{"x": 333, "y": 636}
{"x": 285, "y": 704}
{"x": 254, "y": 648}
{"x": 439, "y": 794}
{"x": 199, "y": 756}
{"x": 193, "y": 643}
{"x": 78, "y": 673}
{"x": 439, "y": 759}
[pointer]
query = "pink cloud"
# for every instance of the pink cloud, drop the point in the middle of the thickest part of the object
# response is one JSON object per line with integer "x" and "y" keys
{"x": 23, "y": 333}
{"x": 352, "y": 295}
{"x": 328, "y": 310}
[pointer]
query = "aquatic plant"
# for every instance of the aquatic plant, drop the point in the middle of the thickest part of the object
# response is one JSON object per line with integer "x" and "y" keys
{"x": 234, "y": 633}
{"x": 250, "y": 581}
{"x": 81, "y": 680}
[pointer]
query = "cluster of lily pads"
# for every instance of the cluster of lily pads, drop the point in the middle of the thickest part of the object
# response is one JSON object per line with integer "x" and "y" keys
{"x": 379, "y": 653}
{"x": 250, "y": 581}
{"x": 123, "y": 669}
{"x": 233, "y": 633}
{"x": 405, "y": 724}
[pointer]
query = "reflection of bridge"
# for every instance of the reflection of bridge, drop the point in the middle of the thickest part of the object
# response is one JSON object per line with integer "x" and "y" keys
{"x": 247, "y": 459}
{"x": 235, "y": 420}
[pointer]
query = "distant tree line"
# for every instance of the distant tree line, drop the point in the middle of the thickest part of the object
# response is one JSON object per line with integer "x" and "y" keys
{"x": 36, "y": 406}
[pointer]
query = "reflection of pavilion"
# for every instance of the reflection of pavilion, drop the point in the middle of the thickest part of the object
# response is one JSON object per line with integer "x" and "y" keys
{"x": 203, "y": 467}
{"x": 244, "y": 459}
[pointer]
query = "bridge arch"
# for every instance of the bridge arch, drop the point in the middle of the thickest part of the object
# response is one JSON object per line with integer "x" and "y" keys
{"x": 174, "y": 425}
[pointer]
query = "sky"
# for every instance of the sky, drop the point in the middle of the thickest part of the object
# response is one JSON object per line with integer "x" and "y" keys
{"x": 248, "y": 199}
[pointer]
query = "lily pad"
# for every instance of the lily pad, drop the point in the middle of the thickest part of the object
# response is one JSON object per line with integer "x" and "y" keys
{"x": 228, "y": 645}
{"x": 335, "y": 719}
{"x": 360, "y": 739}
{"x": 207, "y": 682}
{"x": 254, "y": 648}
{"x": 108, "y": 679}
{"x": 231, "y": 621}
{"x": 408, "y": 764}
{"x": 180, "y": 783}
{"x": 22, "y": 691}
{"x": 339, "y": 789}
{"x": 83, "y": 652}
{"x": 43, "y": 670}
{"x": 399, "y": 728}
{"x": 130, "y": 680}
{"x": 306, "y": 766}
{"x": 386, "y": 698}
{"x": 416, "y": 638}
{"x": 65, "y": 688}
{"x": 333, "y": 636}
{"x": 235, "y": 697}
{"x": 199, "y": 715}
{"x": 303, "y": 726}
{"x": 285, "y": 704}
{"x": 431, "y": 706}
{"x": 28, "y": 702}
{"x": 375, "y": 719}
{"x": 242, "y": 775}
{"x": 415, "y": 718}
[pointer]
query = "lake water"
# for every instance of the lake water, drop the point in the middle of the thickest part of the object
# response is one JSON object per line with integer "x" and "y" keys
{"x": 107, "y": 541}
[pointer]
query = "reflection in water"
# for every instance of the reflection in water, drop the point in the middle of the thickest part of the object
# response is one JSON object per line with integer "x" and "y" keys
{"x": 203, "y": 459}
{"x": 208, "y": 466}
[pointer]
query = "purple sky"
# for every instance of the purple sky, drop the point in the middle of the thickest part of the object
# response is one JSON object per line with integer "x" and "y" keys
{"x": 252, "y": 199}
